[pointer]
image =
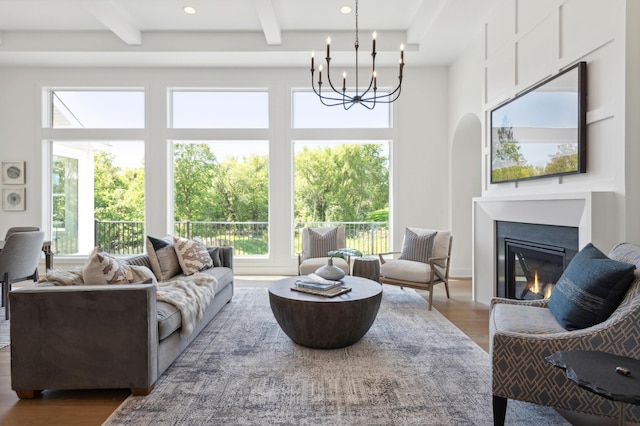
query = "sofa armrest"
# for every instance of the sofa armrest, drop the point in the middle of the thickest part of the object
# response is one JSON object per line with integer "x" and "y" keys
{"x": 84, "y": 337}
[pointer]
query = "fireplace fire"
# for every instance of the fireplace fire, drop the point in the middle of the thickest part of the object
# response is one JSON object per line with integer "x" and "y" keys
{"x": 532, "y": 269}
{"x": 531, "y": 258}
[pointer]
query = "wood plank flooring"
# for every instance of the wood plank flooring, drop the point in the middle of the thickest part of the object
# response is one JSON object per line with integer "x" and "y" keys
{"x": 86, "y": 408}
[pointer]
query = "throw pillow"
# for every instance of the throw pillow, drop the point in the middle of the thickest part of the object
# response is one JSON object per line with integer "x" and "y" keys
{"x": 192, "y": 255}
{"x": 163, "y": 258}
{"x": 590, "y": 289}
{"x": 214, "y": 253}
{"x": 321, "y": 243}
{"x": 417, "y": 245}
{"x": 102, "y": 268}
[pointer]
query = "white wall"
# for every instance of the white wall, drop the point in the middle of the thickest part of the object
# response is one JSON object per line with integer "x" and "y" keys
{"x": 527, "y": 41}
{"x": 465, "y": 136}
{"x": 420, "y": 153}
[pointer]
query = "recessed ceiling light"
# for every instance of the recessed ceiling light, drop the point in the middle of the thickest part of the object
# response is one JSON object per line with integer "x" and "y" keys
{"x": 345, "y": 9}
{"x": 189, "y": 10}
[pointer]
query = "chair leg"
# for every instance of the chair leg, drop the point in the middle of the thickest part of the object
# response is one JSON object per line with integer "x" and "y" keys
{"x": 446, "y": 287}
{"x": 430, "y": 295}
{"x": 499, "y": 410}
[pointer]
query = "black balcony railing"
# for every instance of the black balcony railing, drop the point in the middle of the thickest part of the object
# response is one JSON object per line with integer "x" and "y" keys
{"x": 247, "y": 238}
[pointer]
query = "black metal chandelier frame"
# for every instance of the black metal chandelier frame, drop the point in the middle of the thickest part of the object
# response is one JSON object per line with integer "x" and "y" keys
{"x": 369, "y": 97}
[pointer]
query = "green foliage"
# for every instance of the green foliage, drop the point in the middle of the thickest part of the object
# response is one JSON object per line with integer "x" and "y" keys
{"x": 118, "y": 193}
{"x": 347, "y": 182}
{"x": 381, "y": 215}
{"x": 340, "y": 183}
{"x": 564, "y": 160}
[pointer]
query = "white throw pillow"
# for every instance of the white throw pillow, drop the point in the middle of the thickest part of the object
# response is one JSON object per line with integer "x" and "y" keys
{"x": 102, "y": 268}
{"x": 192, "y": 255}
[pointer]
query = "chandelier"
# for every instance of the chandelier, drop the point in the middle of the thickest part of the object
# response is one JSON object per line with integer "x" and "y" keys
{"x": 367, "y": 98}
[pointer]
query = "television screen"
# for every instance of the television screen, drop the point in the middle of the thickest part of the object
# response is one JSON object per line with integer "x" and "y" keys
{"x": 541, "y": 132}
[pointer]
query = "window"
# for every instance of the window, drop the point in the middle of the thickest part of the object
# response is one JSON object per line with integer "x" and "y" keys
{"x": 342, "y": 182}
{"x": 97, "y": 197}
{"x": 216, "y": 109}
{"x": 221, "y": 185}
{"x": 97, "y": 109}
{"x": 97, "y": 176}
{"x": 221, "y": 193}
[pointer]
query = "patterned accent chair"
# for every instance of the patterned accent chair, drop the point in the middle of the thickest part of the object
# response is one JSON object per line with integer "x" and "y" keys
{"x": 316, "y": 244}
{"x": 419, "y": 269}
{"x": 523, "y": 333}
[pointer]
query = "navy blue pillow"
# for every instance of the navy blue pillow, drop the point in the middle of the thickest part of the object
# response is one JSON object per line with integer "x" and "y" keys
{"x": 590, "y": 289}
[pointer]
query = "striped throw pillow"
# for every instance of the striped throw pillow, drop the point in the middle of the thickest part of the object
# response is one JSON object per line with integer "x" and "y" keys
{"x": 417, "y": 246}
{"x": 321, "y": 244}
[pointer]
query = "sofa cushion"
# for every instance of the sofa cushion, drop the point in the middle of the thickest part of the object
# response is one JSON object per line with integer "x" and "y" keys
{"x": 590, "y": 289}
{"x": 530, "y": 319}
{"x": 169, "y": 319}
{"x": 163, "y": 257}
{"x": 417, "y": 245}
{"x": 192, "y": 255}
{"x": 223, "y": 276}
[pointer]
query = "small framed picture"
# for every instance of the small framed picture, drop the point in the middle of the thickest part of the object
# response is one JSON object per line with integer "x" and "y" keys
{"x": 13, "y": 172}
{"x": 13, "y": 199}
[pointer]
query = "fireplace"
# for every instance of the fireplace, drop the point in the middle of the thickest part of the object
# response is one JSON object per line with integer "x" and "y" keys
{"x": 531, "y": 258}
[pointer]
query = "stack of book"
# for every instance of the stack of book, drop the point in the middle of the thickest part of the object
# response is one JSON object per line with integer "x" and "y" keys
{"x": 315, "y": 284}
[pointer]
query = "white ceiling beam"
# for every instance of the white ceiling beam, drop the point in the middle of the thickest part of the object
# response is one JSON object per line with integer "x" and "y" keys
{"x": 112, "y": 16}
{"x": 269, "y": 22}
{"x": 427, "y": 14}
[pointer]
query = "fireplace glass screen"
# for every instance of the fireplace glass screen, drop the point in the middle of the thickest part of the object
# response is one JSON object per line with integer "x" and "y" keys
{"x": 532, "y": 269}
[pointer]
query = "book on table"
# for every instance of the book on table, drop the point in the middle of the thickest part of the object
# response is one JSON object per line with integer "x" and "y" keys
{"x": 332, "y": 292}
{"x": 315, "y": 282}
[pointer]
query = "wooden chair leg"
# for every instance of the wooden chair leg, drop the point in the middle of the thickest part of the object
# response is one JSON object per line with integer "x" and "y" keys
{"x": 430, "y": 295}
{"x": 446, "y": 287}
{"x": 499, "y": 410}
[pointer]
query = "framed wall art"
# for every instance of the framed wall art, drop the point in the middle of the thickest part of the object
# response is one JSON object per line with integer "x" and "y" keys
{"x": 13, "y": 199}
{"x": 13, "y": 172}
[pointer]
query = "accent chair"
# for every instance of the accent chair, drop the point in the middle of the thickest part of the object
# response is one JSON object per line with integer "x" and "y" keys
{"x": 524, "y": 332}
{"x": 316, "y": 244}
{"x": 423, "y": 261}
{"x": 19, "y": 261}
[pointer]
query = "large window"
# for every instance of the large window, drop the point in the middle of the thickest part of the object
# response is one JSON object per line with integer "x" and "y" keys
{"x": 97, "y": 183}
{"x": 221, "y": 185}
{"x": 221, "y": 193}
{"x": 342, "y": 182}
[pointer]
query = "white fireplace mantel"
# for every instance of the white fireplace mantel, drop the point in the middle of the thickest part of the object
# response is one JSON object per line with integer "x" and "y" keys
{"x": 596, "y": 214}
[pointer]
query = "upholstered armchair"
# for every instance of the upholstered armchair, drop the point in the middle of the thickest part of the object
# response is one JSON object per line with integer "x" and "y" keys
{"x": 523, "y": 333}
{"x": 423, "y": 261}
{"x": 316, "y": 244}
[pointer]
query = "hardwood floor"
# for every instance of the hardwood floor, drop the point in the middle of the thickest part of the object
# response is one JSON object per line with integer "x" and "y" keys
{"x": 88, "y": 408}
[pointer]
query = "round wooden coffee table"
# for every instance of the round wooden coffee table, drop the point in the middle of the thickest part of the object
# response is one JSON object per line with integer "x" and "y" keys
{"x": 322, "y": 322}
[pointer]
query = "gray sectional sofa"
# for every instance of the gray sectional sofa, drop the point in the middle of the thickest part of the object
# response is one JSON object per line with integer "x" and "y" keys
{"x": 102, "y": 336}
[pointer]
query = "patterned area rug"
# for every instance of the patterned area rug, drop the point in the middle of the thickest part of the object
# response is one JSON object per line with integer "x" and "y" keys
{"x": 4, "y": 330}
{"x": 412, "y": 367}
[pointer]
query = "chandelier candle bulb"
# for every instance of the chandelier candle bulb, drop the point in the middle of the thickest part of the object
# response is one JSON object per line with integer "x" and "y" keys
{"x": 328, "y": 46}
{"x": 320, "y": 74}
{"x": 374, "y": 41}
{"x": 313, "y": 57}
{"x": 344, "y": 81}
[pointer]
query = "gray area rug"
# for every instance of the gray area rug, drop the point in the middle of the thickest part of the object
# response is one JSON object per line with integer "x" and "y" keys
{"x": 4, "y": 330}
{"x": 412, "y": 367}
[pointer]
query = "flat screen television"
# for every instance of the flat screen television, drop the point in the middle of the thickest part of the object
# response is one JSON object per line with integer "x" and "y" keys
{"x": 543, "y": 131}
